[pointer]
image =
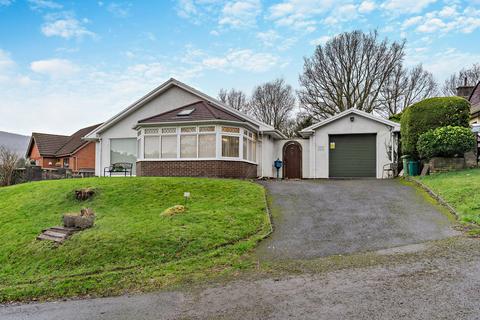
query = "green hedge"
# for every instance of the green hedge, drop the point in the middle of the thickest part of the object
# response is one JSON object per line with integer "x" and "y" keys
{"x": 430, "y": 114}
{"x": 445, "y": 142}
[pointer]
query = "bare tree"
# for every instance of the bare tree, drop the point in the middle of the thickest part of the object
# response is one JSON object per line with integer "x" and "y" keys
{"x": 348, "y": 71}
{"x": 297, "y": 123}
{"x": 472, "y": 76}
{"x": 272, "y": 103}
{"x": 403, "y": 88}
{"x": 236, "y": 99}
{"x": 8, "y": 163}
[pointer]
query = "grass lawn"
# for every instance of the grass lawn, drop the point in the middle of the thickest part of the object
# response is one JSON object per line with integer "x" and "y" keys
{"x": 461, "y": 189}
{"x": 132, "y": 247}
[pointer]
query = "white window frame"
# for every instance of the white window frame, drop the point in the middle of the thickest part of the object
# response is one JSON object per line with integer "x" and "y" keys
{"x": 218, "y": 132}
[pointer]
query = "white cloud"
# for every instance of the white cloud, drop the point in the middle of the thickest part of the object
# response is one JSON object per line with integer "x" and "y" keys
{"x": 366, "y": 6}
{"x": 406, "y": 6}
{"x": 242, "y": 59}
{"x": 412, "y": 21}
{"x": 268, "y": 37}
{"x": 120, "y": 10}
{"x": 445, "y": 20}
{"x": 433, "y": 25}
{"x": 186, "y": 8}
{"x": 444, "y": 63}
{"x": 44, "y": 4}
{"x": 55, "y": 68}
{"x": 6, "y": 61}
{"x": 240, "y": 13}
{"x": 65, "y": 26}
{"x": 299, "y": 14}
{"x": 320, "y": 41}
{"x": 8, "y": 71}
{"x": 6, "y": 2}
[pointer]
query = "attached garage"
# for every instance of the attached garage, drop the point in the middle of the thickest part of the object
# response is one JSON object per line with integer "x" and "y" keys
{"x": 352, "y": 155}
{"x": 351, "y": 144}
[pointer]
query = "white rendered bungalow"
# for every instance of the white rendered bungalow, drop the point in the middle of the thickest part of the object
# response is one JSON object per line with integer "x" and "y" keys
{"x": 176, "y": 130}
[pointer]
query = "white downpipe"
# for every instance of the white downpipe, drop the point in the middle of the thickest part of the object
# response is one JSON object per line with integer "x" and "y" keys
{"x": 314, "y": 156}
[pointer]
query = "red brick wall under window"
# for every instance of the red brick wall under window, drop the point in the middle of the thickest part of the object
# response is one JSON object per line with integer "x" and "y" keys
{"x": 201, "y": 168}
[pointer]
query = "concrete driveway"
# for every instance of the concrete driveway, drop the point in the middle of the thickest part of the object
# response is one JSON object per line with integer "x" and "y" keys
{"x": 320, "y": 218}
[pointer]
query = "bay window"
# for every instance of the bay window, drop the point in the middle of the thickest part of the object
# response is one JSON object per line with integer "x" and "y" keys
{"x": 207, "y": 146}
{"x": 151, "y": 147}
{"x": 169, "y": 146}
{"x": 230, "y": 146}
{"x": 249, "y": 146}
{"x": 188, "y": 146}
{"x": 198, "y": 142}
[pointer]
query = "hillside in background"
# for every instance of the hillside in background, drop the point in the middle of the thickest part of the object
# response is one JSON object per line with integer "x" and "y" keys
{"x": 15, "y": 142}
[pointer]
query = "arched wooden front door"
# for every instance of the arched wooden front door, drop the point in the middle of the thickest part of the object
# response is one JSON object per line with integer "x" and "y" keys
{"x": 292, "y": 160}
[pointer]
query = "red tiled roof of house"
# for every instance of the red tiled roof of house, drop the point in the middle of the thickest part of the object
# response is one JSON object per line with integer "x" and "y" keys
{"x": 202, "y": 110}
{"x": 48, "y": 144}
{"x": 53, "y": 145}
{"x": 75, "y": 141}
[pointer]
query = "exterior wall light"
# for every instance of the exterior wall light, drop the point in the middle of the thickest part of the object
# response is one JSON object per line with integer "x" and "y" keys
{"x": 352, "y": 118}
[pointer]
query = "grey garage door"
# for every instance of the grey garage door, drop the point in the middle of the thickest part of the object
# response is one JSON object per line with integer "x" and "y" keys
{"x": 352, "y": 155}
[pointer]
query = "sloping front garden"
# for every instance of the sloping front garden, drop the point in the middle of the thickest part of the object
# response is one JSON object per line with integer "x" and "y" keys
{"x": 134, "y": 245}
{"x": 460, "y": 189}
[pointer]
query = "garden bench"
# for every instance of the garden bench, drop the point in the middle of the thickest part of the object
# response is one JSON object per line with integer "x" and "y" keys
{"x": 119, "y": 167}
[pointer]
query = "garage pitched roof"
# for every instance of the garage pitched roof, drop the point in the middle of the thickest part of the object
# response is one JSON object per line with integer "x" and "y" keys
{"x": 309, "y": 130}
{"x": 197, "y": 111}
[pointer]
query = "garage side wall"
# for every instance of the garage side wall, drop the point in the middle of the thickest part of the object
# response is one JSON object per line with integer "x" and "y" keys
{"x": 360, "y": 125}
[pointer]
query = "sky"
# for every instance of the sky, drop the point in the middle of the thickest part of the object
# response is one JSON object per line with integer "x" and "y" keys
{"x": 69, "y": 64}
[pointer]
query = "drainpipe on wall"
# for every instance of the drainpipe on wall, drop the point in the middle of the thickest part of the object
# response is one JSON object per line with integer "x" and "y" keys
{"x": 314, "y": 156}
{"x": 392, "y": 140}
{"x": 101, "y": 152}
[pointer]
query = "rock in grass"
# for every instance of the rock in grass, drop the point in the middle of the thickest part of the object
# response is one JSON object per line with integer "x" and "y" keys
{"x": 82, "y": 220}
{"x": 174, "y": 211}
{"x": 69, "y": 220}
{"x": 84, "y": 194}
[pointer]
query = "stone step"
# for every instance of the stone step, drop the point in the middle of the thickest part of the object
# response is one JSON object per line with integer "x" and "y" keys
{"x": 55, "y": 234}
{"x": 47, "y": 237}
{"x": 64, "y": 230}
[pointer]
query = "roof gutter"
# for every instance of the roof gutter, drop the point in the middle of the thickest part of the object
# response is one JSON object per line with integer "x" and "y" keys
{"x": 194, "y": 122}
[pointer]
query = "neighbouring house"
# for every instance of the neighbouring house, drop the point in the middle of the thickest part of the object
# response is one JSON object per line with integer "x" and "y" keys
{"x": 472, "y": 94}
{"x": 58, "y": 151}
{"x": 176, "y": 130}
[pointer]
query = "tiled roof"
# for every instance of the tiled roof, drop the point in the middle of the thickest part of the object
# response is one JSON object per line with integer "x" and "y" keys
{"x": 48, "y": 144}
{"x": 75, "y": 141}
{"x": 202, "y": 110}
{"x": 475, "y": 99}
{"x": 57, "y": 145}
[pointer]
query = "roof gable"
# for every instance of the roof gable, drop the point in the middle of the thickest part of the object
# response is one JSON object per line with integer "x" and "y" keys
{"x": 197, "y": 111}
{"x": 394, "y": 125}
{"x": 47, "y": 144}
{"x": 53, "y": 145}
{"x": 158, "y": 91}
